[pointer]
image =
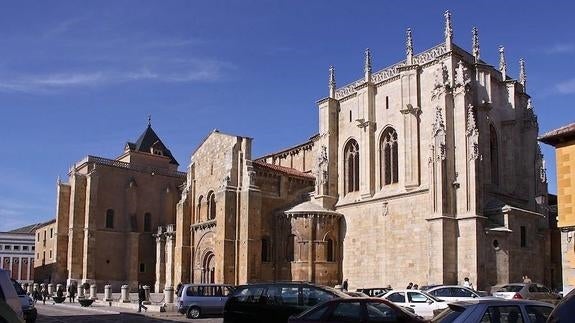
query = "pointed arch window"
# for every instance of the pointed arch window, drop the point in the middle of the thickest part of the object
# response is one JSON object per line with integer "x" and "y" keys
{"x": 351, "y": 166}
{"x": 109, "y": 219}
{"x": 494, "y": 152}
{"x": 211, "y": 205}
{"x": 388, "y": 156}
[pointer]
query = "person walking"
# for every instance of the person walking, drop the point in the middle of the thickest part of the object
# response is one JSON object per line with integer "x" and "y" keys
{"x": 527, "y": 280}
{"x": 409, "y": 286}
{"x": 71, "y": 292}
{"x": 344, "y": 285}
{"x": 467, "y": 283}
{"x": 44, "y": 294}
{"x": 141, "y": 298}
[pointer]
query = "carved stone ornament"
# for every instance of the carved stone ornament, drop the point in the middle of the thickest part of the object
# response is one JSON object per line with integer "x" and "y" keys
{"x": 408, "y": 43}
{"x": 476, "y": 50}
{"x": 462, "y": 80}
{"x": 541, "y": 165}
{"x": 321, "y": 166}
{"x": 331, "y": 84}
{"x": 439, "y": 135}
{"x": 367, "y": 63}
{"x": 448, "y": 27}
{"x": 441, "y": 82}
{"x": 502, "y": 64}
{"x": 530, "y": 116}
{"x": 522, "y": 74}
{"x": 471, "y": 123}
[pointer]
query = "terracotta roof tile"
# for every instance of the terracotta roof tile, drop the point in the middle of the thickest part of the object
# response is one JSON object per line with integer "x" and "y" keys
{"x": 559, "y": 135}
{"x": 284, "y": 170}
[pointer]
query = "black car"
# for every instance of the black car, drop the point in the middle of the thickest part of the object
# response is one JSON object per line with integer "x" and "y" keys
{"x": 565, "y": 310}
{"x": 28, "y": 308}
{"x": 374, "y": 292}
{"x": 275, "y": 302}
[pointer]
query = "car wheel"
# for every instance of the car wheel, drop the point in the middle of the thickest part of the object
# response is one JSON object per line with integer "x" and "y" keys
{"x": 193, "y": 312}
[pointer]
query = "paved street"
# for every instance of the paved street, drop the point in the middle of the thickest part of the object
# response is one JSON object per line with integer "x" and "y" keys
{"x": 74, "y": 313}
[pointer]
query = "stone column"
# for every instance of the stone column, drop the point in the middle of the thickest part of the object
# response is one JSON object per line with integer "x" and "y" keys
{"x": 80, "y": 291}
{"x": 108, "y": 293}
{"x": 89, "y": 247}
{"x": 169, "y": 294}
{"x": 147, "y": 292}
{"x": 76, "y": 227}
{"x": 160, "y": 261}
{"x": 125, "y": 296}
{"x": 170, "y": 238}
{"x": 410, "y": 90}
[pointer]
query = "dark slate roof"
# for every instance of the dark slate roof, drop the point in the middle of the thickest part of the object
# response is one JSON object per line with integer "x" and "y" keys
{"x": 557, "y": 136}
{"x": 150, "y": 139}
{"x": 31, "y": 228}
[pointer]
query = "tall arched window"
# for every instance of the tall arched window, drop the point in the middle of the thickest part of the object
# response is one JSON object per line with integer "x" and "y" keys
{"x": 211, "y": 205}
{"x": 147, "y": 222}
{"x": 265, "y": 249}
{"x": 351, "y": 166}
{"x": 494, "y": 152}
{"x": 290, "y": 247}
{"x": 199, "y": 209}
{"x": 329, "y": 254}
{"x": 388, "y": 157}
{"x": 109, "y": 219}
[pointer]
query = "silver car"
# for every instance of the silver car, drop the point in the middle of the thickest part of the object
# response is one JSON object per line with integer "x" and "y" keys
{"x": 495, "y": 311}
{"x": 532, "y": 291}
{"x": 203, "y": 299}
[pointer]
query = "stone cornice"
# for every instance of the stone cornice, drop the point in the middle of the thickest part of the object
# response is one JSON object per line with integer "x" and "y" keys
{"x": 203, "y": 225}
{"x": 342, "y": 203}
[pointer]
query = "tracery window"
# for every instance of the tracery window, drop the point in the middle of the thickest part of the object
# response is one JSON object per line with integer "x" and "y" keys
{"x": 494, "y": 152}
{"x": 351, "y": 154}
{"x": 388, "y": 157}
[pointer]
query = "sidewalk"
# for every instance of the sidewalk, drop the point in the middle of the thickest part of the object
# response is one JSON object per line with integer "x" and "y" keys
{"x": 117, "y": 308}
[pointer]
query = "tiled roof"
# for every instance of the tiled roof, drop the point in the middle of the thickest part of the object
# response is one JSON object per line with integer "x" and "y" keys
{"x": 559, "y": 135}
{"x": 31, "y": 228}
{"x": 285, "y": 170}
{"x": 148, "y": 139}
{"x": 285, "y": 150}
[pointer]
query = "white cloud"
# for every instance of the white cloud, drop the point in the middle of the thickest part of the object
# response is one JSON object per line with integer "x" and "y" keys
{"x": 566, "y": 87}
{"x": 562, "y": 48}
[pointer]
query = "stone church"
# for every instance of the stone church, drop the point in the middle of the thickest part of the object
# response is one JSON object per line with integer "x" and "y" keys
{"x": 426, "y": 171}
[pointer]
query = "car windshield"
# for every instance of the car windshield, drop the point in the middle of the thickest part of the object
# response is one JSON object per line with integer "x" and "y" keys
{"x": 432, "y": 297}
{"x": 510, "y": 288}
{"x": 337, "y": 292}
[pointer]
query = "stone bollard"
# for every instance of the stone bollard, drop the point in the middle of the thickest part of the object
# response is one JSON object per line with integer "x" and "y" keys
{"x": 125, "y": 298}
{"x": 50, "y": 289}
{"x": 80, "y": 291}
{"x": 147, "y": 291}
{"x": 30, "y": 288}
{"x": 93, "y": 292}
{"x": 169, "y": 294}
{"x": 58, "y": 286}
{"x": 108, "y": 293}
{"x": 36, "y": 287}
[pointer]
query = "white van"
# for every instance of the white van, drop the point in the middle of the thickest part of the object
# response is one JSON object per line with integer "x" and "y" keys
{"x": 8, "y": 293}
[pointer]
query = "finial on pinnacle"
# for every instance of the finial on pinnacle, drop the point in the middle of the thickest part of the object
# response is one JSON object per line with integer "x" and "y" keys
{"x": 448, "y": 29}
{"x": 522, "y": 74}
{"x": 529, "y": 104}
{"x": 149, "y": 120}
{"x": 475, "y": 33}
{"x": 409, "y": 46}
{"x": 367, "y": 66}
{"x": 331, "y": 82}
{"x": 502, "y": 64}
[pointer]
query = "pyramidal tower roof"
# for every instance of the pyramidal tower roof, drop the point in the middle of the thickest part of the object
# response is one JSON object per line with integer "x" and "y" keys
{"x": 149, "y": 142}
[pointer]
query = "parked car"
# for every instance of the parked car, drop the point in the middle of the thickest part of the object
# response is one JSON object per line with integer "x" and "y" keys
{"x": 532, "y": 291}
{"x": 453, "y": 293}
{"x": 493, "y": 310}
{"x": 565, "y": 310}
{"x": 28, "y": 309}
{"x": 7, "y": 314}
{"x": 275, "y": 302}
{"x": 374, "y": 292}
{"x": 423, "y": 303}
{"x": 8, "y": 294}
{"x": 356, "y": 294}
{"x": 203, "y": 299}
{"x": 364, "y": 309}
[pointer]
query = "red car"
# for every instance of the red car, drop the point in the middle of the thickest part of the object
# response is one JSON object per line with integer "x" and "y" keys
{"x": 360, "y": 310}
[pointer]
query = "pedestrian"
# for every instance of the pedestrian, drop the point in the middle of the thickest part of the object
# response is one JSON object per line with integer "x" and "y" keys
{"x": 415, "y": 286}
{"x": 527, "y": 280}
{"x": 409, "y": 286}
{"x": 44, "y": 294}
{"x": 59, "y": 294}
{"x": 36, "y": 295}
{"x": 344, "y": 285}
{"x": 71, "y": 292}
{"x": 178, "y": 289}
{"x": 141, "y": 298}
{"x": 467, "y": 283}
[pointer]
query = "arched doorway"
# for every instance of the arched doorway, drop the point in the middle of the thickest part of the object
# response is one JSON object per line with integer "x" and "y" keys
{"x": 209, "y": 268}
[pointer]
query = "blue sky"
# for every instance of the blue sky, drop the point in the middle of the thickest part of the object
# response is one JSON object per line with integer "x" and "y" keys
{"x": 79, "y": 78}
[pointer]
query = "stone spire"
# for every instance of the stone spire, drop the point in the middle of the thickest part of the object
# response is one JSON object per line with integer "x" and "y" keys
{"x": 522, "y": 74}
{"x": 149, "y": 120}
{"x": 475, "y": 44}
{"x": 448, "y": 30}
{"x": 409, "y": 47}
{"x": 367, "y": 65}
{"x": 332, "y": 82}
{"x": 502, "y": 64}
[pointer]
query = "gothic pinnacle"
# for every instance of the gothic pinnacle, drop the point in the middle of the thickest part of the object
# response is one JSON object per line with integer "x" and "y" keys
{"x": 409, "y": 46}
{"x": 332, "y": 82}
{"x": 475, "y": 33}
{"x": 522, "y": 74}
{"x": 448, "y": 30}
{"x": 502, "y": 64}
{"x": 367, "y": 65}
